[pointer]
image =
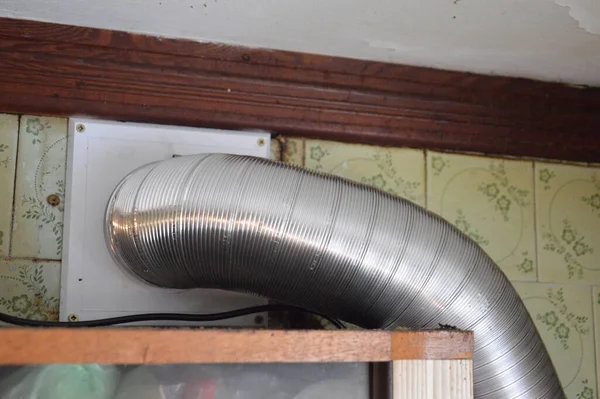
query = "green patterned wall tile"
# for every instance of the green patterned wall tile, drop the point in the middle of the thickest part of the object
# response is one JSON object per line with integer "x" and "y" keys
{"x": 398, "y": 171}
{"x": 568, "y": 222}
{"x": 29, "y": 289}
{"x": 37, "y": 228}
{"x": 491, "y": 201}
{"x": 293, "y": 151}
{"x": 596, "y": 306}
{"x": 564, "y": 317}
{"x": 275, "y": 150}
{"x": 9, "y": 127}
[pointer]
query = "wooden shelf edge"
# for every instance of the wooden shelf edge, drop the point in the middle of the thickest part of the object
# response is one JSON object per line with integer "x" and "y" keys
{"x": 432, "y": 345}
{"x": 170, "y": 346}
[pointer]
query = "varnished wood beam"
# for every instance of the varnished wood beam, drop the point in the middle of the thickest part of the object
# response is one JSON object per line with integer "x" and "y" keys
{"x": 65, "y": 70}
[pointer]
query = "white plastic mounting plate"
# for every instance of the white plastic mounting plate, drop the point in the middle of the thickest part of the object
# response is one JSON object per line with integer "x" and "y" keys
{"x": 100, "y": 154}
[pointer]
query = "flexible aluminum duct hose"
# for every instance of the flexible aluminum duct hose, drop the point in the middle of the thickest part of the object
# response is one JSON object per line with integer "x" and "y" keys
{"x": 329, "y": 245}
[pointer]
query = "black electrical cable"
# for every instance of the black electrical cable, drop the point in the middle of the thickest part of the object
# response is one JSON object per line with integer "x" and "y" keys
{"x": 162, "y": 317}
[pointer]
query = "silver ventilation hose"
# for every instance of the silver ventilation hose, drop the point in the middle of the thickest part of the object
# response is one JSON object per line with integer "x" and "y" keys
{"x": 329, "y": 245}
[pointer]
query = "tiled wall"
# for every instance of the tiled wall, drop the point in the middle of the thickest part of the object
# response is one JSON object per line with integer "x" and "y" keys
{"x": 32, "y": 175}
{"x": 539, "y": 221}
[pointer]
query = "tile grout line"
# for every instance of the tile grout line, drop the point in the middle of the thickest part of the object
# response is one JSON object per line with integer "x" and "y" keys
{"x": 14, "y": 201}
{"x": 426, "y": 178}
{"x": 503, "y": 156}
{"x": 535, "y": 225}
{"x": 595, "y": 343}
{"x": 303, "y": 152}
{"x": 29, "y": 259}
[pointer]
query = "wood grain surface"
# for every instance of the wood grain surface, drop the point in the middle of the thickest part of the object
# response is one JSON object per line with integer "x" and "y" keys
{"x": 432, "y": 379}
{"x": 439, "y": 344}
{"x": 65, "y": 70}
{"x": 147, "y": 346}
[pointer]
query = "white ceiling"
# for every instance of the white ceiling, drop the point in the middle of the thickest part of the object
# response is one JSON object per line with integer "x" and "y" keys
{"x": 555, "y": 40}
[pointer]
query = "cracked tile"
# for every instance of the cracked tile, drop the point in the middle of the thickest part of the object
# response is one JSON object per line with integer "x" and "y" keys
{"x": 9, "y": 128}
{"x": 37, "y": 228}
{"x": 30, "y": 289}
{"x": 275, "y": 150}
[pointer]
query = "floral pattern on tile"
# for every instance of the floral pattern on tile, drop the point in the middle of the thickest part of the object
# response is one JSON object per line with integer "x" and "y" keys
{"x": 293, "y": 151}
{"x": 398, "y": 171}
{"x": 37, "y": 228}
{"x": 563, "y": 315}
{"x": 491, "y": 201}
{"x": 29, "y": 289}
{"x": 596, "y": 305}
{"x": 275, "y": 150}
{"x": 568, "y": 222}
{"x": 9, "y": 127}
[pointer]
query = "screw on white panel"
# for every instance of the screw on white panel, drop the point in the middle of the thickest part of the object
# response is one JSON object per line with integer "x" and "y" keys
{"x": 73, "y": 317}
{"x": 80, "y": 128}
{"x": 261, "y": 142}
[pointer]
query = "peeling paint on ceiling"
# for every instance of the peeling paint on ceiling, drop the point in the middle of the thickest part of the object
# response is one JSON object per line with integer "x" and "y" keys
{"x": 585, "y": 12}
